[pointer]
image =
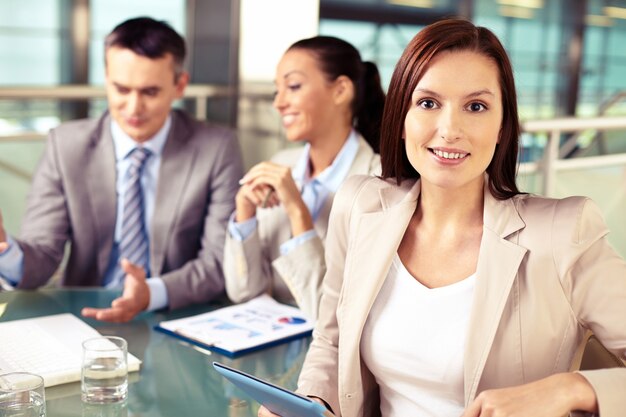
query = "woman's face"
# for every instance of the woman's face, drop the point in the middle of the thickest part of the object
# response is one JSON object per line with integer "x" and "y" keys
{"x": 453, "y": 124}
{"x": 304, "y": 97}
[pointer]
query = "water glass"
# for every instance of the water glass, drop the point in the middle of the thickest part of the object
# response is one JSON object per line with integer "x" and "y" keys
{"x": 105, "y": 410}
{"x": 22, "y": 395}
{"x": 104, "y": 376}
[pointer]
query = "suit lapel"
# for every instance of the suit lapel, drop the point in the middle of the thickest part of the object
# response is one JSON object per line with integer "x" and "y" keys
{"x": 100, "y": 179}
{"x": 371, "y": 256}
{"x": 498, "y": 263}
{"x": 176, "y": 166}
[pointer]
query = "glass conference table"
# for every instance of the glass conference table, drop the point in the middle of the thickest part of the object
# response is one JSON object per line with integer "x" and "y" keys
{"x": 176, "y": 379}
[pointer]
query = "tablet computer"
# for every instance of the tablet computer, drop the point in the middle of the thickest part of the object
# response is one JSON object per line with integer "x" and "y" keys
{"x": 278, "y": 400}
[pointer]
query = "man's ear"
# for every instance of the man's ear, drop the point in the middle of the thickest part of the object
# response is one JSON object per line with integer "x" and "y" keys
{"x": 343, "y": 90}
{"x": 181, "y": 82}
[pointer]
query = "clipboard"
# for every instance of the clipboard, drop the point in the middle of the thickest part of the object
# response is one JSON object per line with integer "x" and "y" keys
{"x": 241, "y": 328}
{"x": 278, "y": 400}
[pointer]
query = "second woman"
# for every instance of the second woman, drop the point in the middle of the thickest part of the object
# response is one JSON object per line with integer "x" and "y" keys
{"x": 332, "y": 100}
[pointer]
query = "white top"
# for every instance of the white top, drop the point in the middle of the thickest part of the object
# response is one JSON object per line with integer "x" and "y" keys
{"x": 413, "y": 343}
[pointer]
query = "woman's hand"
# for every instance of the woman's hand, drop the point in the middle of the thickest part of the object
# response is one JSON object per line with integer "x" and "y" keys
{"x": 248, "y": 198}
{"x": 264, "y": 412}
{"x": 553, "y": 396}
{"x": 266, "y": 185}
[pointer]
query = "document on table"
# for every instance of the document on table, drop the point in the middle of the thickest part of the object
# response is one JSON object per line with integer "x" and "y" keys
{"x": 241, "y": 328}
{"x": 49, "y": 346}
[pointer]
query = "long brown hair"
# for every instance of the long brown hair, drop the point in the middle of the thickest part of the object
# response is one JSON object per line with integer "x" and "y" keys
{"x": 450, "y": 35}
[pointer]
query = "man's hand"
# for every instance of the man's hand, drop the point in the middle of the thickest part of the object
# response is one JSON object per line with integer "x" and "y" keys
{"x": 134, "y": 299}
{"x": 3, "y": 236}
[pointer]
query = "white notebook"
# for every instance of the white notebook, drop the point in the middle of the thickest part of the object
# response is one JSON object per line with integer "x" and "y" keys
{"x": 50, "y": 346}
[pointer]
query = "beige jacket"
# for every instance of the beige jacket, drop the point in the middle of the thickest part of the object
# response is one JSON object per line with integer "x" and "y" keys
{"x": 545, "y": 274}
{"x": 256, "y": 266}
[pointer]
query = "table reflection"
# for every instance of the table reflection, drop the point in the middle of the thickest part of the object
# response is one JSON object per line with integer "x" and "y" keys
{"x": 175, "y": 379}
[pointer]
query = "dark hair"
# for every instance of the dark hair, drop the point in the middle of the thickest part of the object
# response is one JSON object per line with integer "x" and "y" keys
{"x": 337, "y": 57}
{"x": 150, "y": 38}
{"x": 450, "y": 35}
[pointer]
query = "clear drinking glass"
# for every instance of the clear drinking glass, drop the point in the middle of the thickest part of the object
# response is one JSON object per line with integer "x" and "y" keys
{"x": 105, "y": 410}
{"x": 22, "y": 395}
{"x": 104, "y": 377}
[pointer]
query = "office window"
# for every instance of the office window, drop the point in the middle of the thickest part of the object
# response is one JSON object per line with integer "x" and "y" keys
{"x": 604, "y": 66}
{"x": 29, "y": 42}
{"x": 29, "y": 51}
{"x": 532, "y": 38}
{"x": 380, "y": 43}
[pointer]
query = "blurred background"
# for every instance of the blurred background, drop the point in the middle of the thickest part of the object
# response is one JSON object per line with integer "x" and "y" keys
{"x": 569, "y": 58}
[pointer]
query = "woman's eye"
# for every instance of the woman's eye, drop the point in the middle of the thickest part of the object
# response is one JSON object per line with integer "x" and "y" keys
{"x": 294, "y": 87}
{"x": 477, "y": 107}
{"x": 427, "y": 104}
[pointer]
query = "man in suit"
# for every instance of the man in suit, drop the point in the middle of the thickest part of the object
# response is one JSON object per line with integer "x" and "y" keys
{"x": 143, "y": 191}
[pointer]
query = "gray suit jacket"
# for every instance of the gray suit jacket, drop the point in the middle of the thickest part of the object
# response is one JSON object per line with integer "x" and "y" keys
{"x": 545, "y": 274}
{"x": 73, "y": 199}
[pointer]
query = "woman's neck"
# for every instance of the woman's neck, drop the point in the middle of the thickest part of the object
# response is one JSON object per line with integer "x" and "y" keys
{"x": 444, "y": 208}
{"x": 324, "y": 149}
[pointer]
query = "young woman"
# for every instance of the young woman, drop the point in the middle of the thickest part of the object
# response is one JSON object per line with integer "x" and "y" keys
{"x": 330, "y": 99}
{"x": 449, "y": 292}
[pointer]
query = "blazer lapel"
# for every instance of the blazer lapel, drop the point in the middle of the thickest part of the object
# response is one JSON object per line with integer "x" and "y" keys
{"x": 100, "y": 178}
{"x": 374, "y": 253}
{"x": 498, "y": 263}
{"x": 176, "y": 166}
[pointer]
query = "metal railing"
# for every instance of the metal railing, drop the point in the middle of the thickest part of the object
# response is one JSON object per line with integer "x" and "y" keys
{"x": 551, "y": 162}
{"x": 200, "y": 93}
{"x": 548, "y": 165}
{"x": 571, "y": 144}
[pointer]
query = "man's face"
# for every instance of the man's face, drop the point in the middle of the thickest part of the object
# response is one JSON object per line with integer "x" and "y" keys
{"x": 141, "y": 91}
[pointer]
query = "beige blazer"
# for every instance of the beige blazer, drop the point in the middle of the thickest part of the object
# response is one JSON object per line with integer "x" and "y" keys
{"x": 256, "y": 266}
{"x": 545, "y": 273}
{"x": 73, "y": 199}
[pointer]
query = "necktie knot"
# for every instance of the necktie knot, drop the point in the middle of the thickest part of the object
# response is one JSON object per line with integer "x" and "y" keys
{"x": 138, "y": 157}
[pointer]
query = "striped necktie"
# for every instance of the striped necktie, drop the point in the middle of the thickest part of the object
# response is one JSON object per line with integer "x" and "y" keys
{"x": 134, "y": 244}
